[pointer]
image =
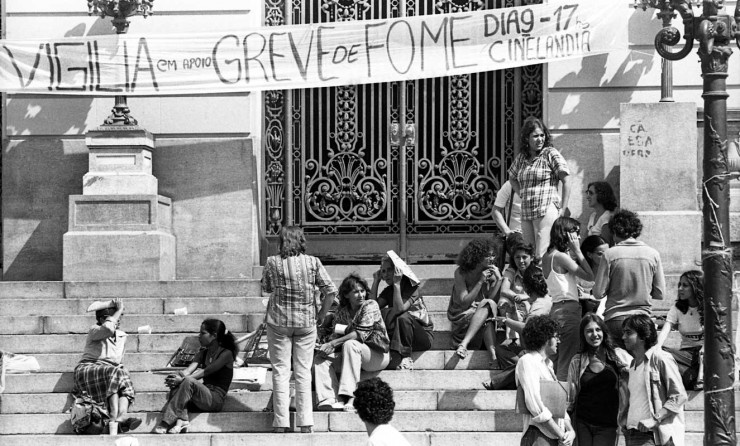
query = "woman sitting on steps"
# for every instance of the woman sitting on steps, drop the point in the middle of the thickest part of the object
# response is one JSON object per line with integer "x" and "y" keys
{"x": 214, "y": 364}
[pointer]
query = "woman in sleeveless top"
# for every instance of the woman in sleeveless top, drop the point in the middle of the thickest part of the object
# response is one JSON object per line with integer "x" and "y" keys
{"x": 561, "y": 271}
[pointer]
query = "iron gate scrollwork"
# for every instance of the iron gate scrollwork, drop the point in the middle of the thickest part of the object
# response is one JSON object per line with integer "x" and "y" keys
{"x": 400, "y": 159}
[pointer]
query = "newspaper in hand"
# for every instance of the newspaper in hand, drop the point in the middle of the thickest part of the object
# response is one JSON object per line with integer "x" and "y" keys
{"x": 403, "y": 267}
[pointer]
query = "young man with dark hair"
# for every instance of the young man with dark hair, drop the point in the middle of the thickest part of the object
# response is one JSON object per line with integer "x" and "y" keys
{"x": 374, "y": 404}
{"x": 652, "y": 399}
{"x": 630, "y": 274}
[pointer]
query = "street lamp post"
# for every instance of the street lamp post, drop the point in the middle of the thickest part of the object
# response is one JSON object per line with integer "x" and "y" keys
{"x": 714, "y": 33}
{"x": 120, "y": 11}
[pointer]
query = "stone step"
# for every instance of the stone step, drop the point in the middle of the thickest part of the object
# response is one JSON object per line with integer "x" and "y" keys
{"x": 428, "y": 438}
{"x": 256, "y": 401}
{"x": 408, "y": 421}
{"x": 142, "y": 362}
{"x": 153, "y": 382}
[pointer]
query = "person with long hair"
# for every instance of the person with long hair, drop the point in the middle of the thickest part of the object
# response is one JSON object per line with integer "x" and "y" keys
{"x": 100, "y": 373}
{"x": 540, "y": 336}
{"x": 593, "y": 249}
{"x": 513, "y": 300}
{"x": 595, "y": 373}
{"x": 534, "y": 175}
{"x": 359, "y": 342}
{"x": 539, "y": 303}
{"x": 561, "y": 272}
{"x": 477, "y": 282}
{"x": 293, "y": 280}
{"x": 404, "y": 312}
{"x": 687, "y": 315}
{"x": 600, "y": 197}
{"x": 652, "y": 399}
{"x": 630, "y": 274}
{"x": 214, "y": 365}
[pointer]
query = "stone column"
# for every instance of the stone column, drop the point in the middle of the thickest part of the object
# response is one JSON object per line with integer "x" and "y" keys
{"x": 658, "y": 179}
{"x": 120, "y": 228}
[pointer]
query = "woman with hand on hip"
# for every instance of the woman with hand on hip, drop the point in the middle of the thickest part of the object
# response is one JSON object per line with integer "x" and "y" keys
{"x": 561, "y": 272}
{"x": 595, "y": 373}
{"x": 214, "y": 364}
{"x": 534, "y": 175}
{"x": 359, "y": 342}
{"x": 294, "y": 281}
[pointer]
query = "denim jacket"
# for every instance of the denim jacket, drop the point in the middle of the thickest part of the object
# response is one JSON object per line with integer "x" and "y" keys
{"x": 665, "y": 390}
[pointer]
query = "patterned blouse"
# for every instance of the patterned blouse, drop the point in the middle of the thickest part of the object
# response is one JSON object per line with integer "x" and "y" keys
{"x": 367, "y": 322}
{"x": 538, "y": 180}
{"x": 294, "y": 284}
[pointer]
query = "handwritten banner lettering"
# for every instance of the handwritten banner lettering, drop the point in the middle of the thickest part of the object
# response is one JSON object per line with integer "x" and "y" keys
{"x": 318, "y": 55}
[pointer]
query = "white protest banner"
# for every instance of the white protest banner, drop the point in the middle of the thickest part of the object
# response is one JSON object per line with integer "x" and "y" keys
{"x": 317, "y": 55}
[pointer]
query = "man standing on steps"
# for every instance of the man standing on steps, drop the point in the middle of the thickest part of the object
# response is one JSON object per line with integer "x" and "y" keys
{"x": 374, "y": 404}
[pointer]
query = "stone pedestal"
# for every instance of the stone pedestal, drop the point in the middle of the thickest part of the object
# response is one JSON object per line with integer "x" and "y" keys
{"x": 120, "y": 228}
{"x": 658, "y": 179}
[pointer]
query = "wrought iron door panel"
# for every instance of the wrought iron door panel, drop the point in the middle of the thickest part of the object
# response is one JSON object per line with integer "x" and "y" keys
{"x": 400, "y": 164}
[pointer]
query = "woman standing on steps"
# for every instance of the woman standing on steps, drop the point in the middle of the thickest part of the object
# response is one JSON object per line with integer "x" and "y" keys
{"x": 477, "y": 282}
{"x": 359, "y": 342}
{"x": 293, "y": 280}
{"x": 214, "y": 364}
{"x": 595, "y": 373}
{"x": 100, "y": 373}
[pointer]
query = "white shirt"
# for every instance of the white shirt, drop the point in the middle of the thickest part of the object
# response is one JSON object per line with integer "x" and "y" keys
{"x": 689, "y": 325}
{"x": 531, "y": 368}
{"x": 594, "y": 227}
{"x": 386, "y": 435}
{"x": 639, "y": 404}
{"x": 502, "y": 201}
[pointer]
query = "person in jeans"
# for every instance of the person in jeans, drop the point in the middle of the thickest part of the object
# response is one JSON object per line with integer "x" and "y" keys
{"x": 214, "y": 364}
{"x": 652, "y": 399}
{"x": 294, "y": 280}
{"x": 630, "y": 274}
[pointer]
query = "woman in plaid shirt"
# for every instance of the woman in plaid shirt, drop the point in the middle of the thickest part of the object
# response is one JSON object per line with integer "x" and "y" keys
{"x": 294, "y": 281}
{"x": 534, "y": 175}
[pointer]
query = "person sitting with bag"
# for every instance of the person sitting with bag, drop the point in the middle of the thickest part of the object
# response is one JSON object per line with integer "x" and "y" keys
{"x": 541, "y": 425}
{"x": 359, "y": 342}
{"x": 100, "y": 374}
{"x": 214, "y": 364}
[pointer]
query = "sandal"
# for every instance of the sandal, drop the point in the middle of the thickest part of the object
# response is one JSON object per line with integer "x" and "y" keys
{"x": 488, "y": 385}
{"x": 161, "y": 428}
{"x": 461, "y": 351}
{"x": 179, "y": 428}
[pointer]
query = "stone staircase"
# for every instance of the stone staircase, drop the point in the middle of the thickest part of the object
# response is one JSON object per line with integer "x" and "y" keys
{"x": 440, "y": 403}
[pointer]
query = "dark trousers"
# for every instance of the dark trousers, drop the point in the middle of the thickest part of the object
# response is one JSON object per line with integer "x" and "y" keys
{"x": 534, "y": 437}
{"x": 192, "y": 394}
{"x": 615, "y": 330}
{"x": 633, "y": 437}
{"x": 407, "y": 334}
{"x": 568, "y": 315}
{"x": 590, "y": 435}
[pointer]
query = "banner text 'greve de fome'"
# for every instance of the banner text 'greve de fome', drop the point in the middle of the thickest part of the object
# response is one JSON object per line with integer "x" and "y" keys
{"x": 317, "y": 55}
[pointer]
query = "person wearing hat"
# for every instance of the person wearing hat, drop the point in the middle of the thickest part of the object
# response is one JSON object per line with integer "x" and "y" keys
{"x": 100, "y": 373}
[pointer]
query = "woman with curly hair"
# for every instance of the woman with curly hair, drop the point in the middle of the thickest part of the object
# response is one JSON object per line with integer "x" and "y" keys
{"x": 600, "y": 197}
{"x": 540, "y": 336}
{"x": 534, "y": 175}
{"x": 538, "y": 303}
{"x": 595, "y": 374}
{"x": 374, "y": 404}
{"x": 561, "y": 273}
{"x": 687, "y": 314}
{"x": 630, "y": 274}
{"x": 477, "y": 282}
{"x": 359, "y": 342}
{"x": 294, "y": 280}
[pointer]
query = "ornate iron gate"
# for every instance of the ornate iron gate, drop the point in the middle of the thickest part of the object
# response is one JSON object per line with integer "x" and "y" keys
{"x": 411, "y": 166}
